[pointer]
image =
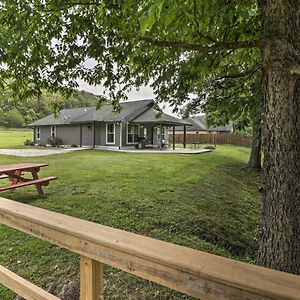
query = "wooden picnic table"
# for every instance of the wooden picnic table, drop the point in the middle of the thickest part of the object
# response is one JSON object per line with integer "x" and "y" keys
{"x": 15, "y": 173}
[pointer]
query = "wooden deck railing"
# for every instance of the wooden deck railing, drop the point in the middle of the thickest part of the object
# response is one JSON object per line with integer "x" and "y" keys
{"x": 195, "y": 273}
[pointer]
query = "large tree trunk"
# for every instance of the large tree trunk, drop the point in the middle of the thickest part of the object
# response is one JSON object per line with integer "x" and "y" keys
{"x": 280, "y": 243}
{"x": 255, "y": 156}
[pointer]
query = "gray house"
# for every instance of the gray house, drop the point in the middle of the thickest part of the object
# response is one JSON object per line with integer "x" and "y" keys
{"x": 199, "y": 125}
{"x": 138, "y": 123}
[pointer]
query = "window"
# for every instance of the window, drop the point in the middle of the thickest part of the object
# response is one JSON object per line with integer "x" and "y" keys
{"x": 110, "y": 133}
{"x": 53, "y": 132}
{"x": 38, "y": 133}
{"x": 132, "y": 133}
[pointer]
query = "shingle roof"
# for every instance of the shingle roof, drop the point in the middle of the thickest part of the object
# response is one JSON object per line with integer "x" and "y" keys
{"x": 154, "y": 116}
{"x": 65, "y": 116}
{"x": 199, "y": 124}
{"x": 90, "y": 114}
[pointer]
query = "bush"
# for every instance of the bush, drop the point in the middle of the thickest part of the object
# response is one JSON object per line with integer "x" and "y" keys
{"x": 29, "y": 143}
{"x": 54, "y": 142}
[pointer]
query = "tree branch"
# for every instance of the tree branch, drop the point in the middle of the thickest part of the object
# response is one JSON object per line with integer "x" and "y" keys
{"x": 218, "y": 46}
{"x": 248, "y": 72}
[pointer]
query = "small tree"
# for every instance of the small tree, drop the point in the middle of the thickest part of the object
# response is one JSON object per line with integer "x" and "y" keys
{"x": 14, "y": 119}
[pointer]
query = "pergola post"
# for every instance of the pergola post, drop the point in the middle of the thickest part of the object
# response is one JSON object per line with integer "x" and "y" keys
{"x": 80, "y": 134}
{"x": 160, "y": 136}
{"x": 184, "y": 136}
{"x": 173, "y": 136}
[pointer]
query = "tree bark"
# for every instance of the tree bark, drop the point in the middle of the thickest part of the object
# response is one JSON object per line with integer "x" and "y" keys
{"x": 255, "y": 156}
{"x": 280, "y": 44}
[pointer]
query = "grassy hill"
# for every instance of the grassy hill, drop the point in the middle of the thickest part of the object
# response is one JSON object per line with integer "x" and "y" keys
{"x": 208, "y": 202}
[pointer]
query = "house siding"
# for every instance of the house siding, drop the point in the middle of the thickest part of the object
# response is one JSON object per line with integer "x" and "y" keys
{"x": 87, "y": 134}
{"x": 69, "y": 134}
{"x": 100, "y": 135}
{"x": 44, "y": 135}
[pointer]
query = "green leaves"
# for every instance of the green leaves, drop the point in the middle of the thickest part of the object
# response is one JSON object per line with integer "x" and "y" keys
{"x": 150, "y": 15}
{"x": 60, "y": 42}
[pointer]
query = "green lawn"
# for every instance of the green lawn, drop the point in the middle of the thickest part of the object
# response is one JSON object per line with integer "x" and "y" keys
{"x": 208, "y": 202}
{"x": 14, "y": 138}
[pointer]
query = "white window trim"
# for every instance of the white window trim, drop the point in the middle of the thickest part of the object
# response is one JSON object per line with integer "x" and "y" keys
{"x": 131, "y": 143}
{"x": 53, "y": 131}
{"x": 38, "y": 131}
{"x": 114, "y": 142}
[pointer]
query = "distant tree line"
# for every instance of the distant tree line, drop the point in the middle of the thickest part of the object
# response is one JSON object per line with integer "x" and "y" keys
{"x": 17, "y": 114}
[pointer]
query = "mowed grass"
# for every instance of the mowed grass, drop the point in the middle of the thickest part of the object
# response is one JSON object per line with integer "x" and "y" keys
{"x": 208, "y": 202}
{"x": 14, "y": 139}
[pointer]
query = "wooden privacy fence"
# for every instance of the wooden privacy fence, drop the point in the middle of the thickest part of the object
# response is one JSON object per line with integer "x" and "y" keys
{"x": 195, "y": 273}
{"x": 211, "y": 138}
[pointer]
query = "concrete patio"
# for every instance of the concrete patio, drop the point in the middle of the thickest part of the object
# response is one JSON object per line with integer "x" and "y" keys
{"x": 157, "y": 150}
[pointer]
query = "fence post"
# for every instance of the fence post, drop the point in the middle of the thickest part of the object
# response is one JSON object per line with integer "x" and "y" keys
{"x": 91, "y": 279}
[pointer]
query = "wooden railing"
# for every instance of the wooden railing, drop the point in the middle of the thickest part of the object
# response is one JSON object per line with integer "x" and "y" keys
{"x": 192, "y": 272}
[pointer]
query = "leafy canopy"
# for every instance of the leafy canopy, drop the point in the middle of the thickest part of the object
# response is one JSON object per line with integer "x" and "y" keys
{"x": 173, "y": 45}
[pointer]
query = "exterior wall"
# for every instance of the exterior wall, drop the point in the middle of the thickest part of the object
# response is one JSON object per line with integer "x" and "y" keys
{"x": 124, "y": 134}
{"x": 69, "y": 134}
{"x": 100, "y": 135}
{"x": 87, "y": 134}
{"x": 44, "y": 135}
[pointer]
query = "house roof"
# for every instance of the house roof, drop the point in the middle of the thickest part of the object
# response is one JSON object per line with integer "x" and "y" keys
{"x": 91, "y": 114}
{"x": 65, "y": 116}
{"x": 199, "y": 124}
{"x": 155, "y": 116}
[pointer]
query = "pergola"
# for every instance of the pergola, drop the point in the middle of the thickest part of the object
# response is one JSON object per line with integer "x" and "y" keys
{"x": 158, "y": 118}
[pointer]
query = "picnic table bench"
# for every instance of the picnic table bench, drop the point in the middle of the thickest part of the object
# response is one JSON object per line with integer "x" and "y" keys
{"x": 15, "y": 172}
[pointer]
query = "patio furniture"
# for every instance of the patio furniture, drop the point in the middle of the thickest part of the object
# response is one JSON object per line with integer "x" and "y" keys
{"x": 15, "y": 173}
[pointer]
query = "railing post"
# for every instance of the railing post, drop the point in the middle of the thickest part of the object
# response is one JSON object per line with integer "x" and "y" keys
{"x": 91, "y": 279}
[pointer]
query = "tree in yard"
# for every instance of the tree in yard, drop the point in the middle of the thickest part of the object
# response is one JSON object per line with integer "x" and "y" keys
{"x": 14, "y": 119}
{"x": 174, "y": 45}
{"x": 232, "y": 99}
